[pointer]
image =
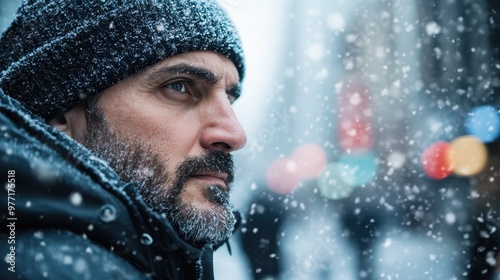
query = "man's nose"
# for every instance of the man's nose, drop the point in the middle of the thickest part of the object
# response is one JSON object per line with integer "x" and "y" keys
{"x": 221, "y": 129}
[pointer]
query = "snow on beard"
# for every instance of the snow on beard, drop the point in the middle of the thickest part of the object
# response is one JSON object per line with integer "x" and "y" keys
{"x": 135, "y": 162}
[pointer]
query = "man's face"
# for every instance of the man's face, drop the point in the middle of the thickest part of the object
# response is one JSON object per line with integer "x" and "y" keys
{"x": 170, "y": 129}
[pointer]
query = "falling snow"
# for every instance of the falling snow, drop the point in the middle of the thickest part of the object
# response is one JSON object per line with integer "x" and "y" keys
{"x": 342, "y": 102}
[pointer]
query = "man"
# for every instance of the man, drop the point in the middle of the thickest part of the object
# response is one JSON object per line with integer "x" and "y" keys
{"x": 140, "y": 188}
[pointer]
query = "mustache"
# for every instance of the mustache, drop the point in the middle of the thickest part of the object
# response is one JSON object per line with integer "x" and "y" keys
{"x": 211, "y": 161}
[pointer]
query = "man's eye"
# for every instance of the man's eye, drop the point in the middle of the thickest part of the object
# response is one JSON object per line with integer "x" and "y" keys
{"x": 177, "y": 86}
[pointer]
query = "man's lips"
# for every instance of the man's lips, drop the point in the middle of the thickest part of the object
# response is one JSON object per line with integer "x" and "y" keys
{"x": 217, "y": 178}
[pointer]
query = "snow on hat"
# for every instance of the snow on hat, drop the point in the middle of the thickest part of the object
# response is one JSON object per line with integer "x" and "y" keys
{"x": 57, "y": 53}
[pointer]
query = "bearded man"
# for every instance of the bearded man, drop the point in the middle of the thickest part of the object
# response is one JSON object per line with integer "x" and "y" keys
{"x": 116, "y": 138}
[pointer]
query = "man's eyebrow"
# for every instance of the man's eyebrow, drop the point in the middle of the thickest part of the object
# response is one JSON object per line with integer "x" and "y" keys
{"x": 199, "y": 72}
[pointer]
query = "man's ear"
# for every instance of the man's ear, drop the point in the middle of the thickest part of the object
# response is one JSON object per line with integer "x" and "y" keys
{"x": 72, "y": 122}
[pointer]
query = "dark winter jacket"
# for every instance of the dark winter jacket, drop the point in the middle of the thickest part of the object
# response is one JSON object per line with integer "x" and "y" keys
{"x": 66, "y": 215}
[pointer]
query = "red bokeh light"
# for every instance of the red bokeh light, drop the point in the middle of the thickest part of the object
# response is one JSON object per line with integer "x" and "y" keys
{"x": 436, "y": 160}
{"x": 355, "y": 117}
{"x": 355, "y": 135}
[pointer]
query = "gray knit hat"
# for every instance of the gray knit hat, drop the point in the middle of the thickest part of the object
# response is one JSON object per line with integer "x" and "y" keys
{"x": 57, "y": 53}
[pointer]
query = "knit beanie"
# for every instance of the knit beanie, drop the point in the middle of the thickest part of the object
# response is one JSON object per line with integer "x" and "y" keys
{"x": 57, "y": 53}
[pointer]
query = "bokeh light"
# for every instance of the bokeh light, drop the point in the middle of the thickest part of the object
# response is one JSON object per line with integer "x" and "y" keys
{"x": 355, "y": 129}
{"x": 282, "y": 175}
{"x": 330, "y": 183}
{"x": 357, "y": 169}
{"x": 355, "y": 135}
{"x": 310, "y": 159}
{"x": 468, "y": 154}
{"x": 484, "y": 123}
{"x": 436, "y": 160}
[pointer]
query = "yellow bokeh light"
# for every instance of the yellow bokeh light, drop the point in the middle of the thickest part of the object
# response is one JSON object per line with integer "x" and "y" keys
{"x": 468, "y": 155}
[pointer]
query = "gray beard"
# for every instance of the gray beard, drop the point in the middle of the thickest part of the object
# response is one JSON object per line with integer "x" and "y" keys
{"x": 136, "y": 162}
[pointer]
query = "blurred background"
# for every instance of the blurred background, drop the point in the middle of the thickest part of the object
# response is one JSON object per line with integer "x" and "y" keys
{"x": 373, "y": 140}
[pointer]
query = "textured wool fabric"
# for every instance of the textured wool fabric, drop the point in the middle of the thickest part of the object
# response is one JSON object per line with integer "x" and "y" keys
{"x": 57, "y": 53}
